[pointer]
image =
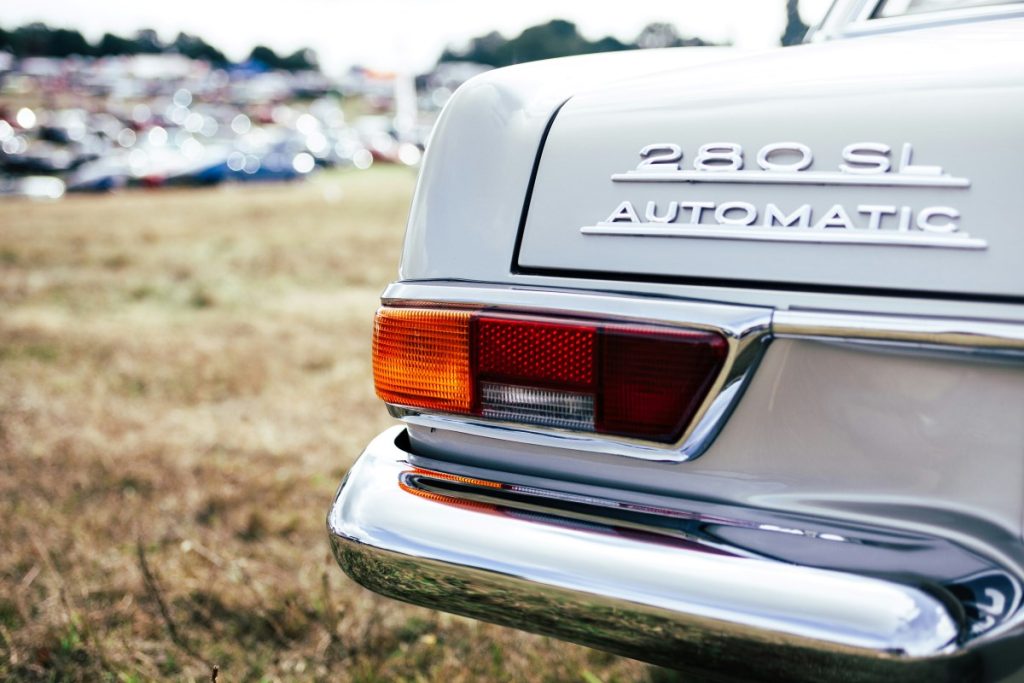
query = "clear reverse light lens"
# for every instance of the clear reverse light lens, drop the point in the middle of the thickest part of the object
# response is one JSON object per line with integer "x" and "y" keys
{"x": 548, "y": 407}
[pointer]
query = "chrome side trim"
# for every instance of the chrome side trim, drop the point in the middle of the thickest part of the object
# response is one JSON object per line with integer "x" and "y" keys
{"x": 745, "y": 329}
{"x": 656, "y": 600}
{"x": 973, "y": 336}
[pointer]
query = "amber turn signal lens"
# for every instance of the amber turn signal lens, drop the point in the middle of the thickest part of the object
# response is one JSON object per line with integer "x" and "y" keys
{"x": 421, "y": 358}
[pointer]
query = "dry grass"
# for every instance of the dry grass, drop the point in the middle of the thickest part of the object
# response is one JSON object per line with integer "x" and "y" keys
{"x": 183, "y": 381}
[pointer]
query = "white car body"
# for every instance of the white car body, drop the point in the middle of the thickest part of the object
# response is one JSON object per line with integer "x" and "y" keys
{"x": 848, "y": 500}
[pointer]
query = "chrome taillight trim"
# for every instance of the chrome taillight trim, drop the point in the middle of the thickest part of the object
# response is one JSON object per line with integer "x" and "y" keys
{"x": 744, "y": 328}
{"x": 748, "y": 330}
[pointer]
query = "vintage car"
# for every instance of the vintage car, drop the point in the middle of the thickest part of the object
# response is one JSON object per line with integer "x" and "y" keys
{"x": 715, "y": 359}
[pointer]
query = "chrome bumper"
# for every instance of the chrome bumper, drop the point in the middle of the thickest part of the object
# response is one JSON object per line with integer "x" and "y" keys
{"x": 651, "y": 598}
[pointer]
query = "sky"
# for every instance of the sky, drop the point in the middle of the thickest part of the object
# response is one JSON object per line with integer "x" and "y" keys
{"x": 401, "y": 35}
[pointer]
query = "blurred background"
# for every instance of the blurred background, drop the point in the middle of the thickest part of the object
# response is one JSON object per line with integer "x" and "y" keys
{"x": 199, "y": 206}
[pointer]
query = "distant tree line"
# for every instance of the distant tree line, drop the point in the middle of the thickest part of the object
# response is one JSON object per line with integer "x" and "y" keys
{"x": 39, "y": 40}
{"x": 559, "y": 38}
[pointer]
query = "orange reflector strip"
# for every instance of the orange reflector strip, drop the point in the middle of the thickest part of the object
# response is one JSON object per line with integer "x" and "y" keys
{"x": 454, "y": 477}
{"x": 421, "y": 358}
{"x": 449, "y": 500}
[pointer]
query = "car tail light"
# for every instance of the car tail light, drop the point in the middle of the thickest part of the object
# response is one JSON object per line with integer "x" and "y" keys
{"x": 641, "y": 381}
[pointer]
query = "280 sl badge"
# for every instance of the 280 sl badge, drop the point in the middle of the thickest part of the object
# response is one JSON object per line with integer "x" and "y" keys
{"x": 789, "y": 163}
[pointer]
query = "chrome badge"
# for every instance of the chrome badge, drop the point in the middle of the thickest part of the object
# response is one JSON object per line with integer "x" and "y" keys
{"x": 865, "y": 164}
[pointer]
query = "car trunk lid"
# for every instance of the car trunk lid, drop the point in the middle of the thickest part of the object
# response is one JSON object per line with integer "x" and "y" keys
{"x": 886, "y": 164}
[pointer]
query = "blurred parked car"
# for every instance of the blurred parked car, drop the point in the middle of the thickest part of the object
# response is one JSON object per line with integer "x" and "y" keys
{"x": 157, "y": 120}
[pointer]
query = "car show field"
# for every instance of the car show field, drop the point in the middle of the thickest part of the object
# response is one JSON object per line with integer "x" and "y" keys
{"x": 184, "y": 378}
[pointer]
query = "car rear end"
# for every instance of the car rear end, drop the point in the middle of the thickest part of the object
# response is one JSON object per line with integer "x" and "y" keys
{"x": 714, "y": 359}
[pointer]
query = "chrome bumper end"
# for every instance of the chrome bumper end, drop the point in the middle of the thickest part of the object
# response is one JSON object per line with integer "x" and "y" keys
{"x": 616, "y": 589}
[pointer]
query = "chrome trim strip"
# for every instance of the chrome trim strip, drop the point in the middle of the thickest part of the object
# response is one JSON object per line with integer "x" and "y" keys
{"x": 619, "y": 590}
{"x": 872, "y": 238}
{"x": 791, "y": 178}
{"x": 974, "y": 336}
{"x": 745, "y": 329}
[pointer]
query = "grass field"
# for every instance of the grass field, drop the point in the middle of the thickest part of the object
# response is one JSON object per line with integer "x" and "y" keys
{"x": 184, "y": 379}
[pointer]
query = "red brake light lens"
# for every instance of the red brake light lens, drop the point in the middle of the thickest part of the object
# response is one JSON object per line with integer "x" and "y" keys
{"x": 641, "y": 381}
{"x": 654, "y": 381}
{"x": 548, "y": 353}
